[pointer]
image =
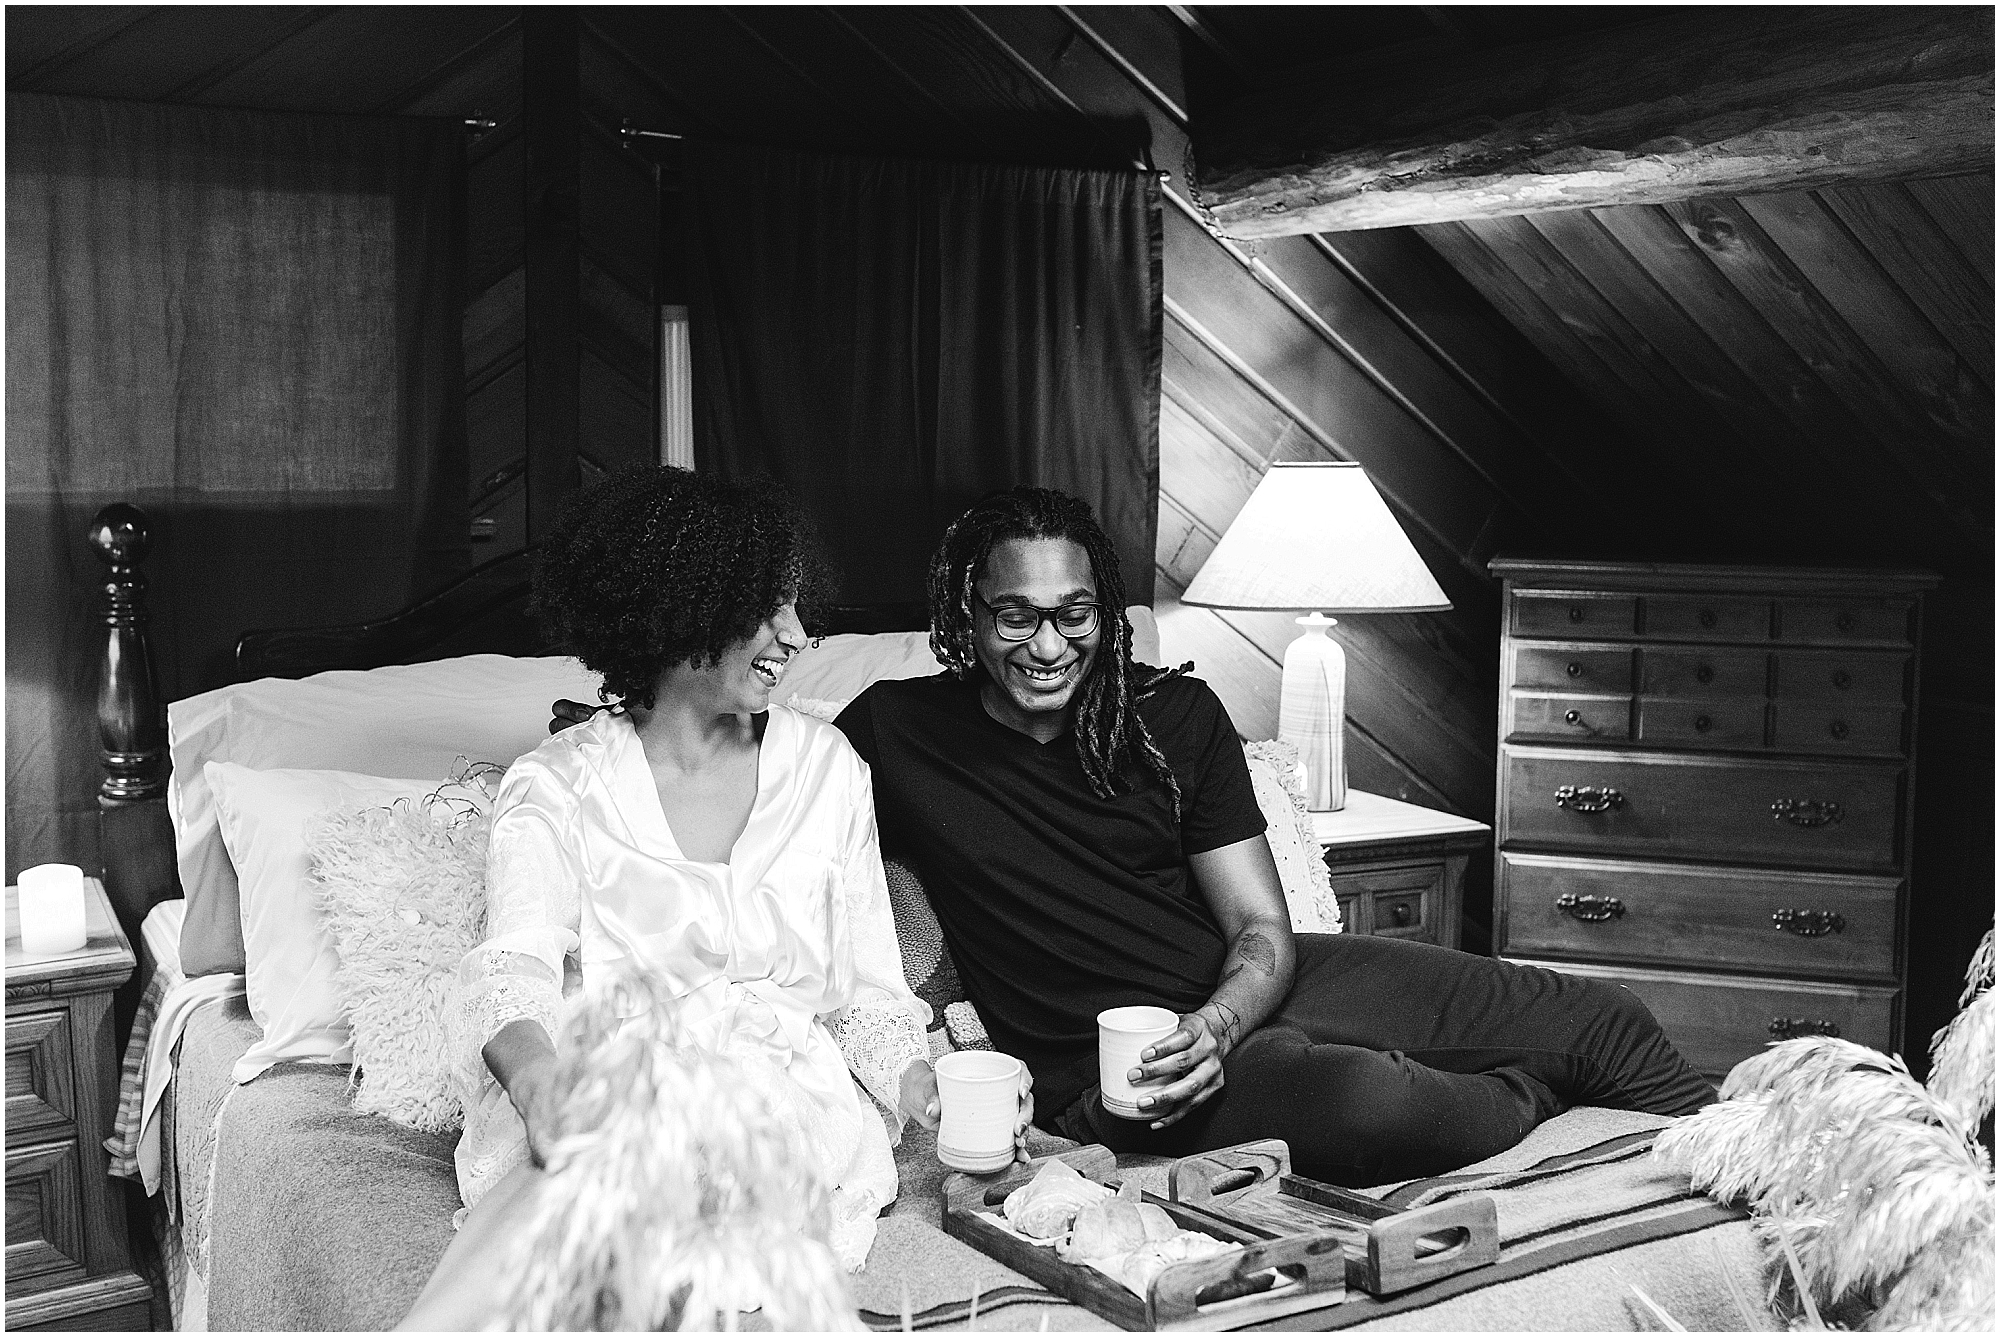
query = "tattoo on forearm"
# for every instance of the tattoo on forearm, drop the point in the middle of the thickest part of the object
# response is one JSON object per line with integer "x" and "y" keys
{"x": 1258, "y": 950}
{"x": 1227, "y": 1023}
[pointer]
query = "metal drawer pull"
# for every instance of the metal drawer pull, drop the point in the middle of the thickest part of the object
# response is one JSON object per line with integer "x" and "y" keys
{"x": 1588, "y": 798}
{"x": 1838, "y": 728}
{"x": 1400, "y": 912}
{"x": 1702, "y": 724}
{"x": 1807, "y": 811}
{"x": 1841, "y": 680}
{"x": 1704, "y": 674}
{"x": 1809, "y": 923}
{"x": 1576, "y": 612}
{"x": 1575, "y": 669}
{"x": 1791, "y": 1028}
{"x": 1707, "y": 618}
{"x": 1591, "y": 909}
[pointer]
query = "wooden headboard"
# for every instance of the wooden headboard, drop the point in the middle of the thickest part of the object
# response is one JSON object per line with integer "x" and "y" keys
{"x": 483, "y": 611}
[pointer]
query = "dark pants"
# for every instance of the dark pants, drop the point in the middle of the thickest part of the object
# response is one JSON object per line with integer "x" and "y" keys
{"x": 1395, "y": 1060}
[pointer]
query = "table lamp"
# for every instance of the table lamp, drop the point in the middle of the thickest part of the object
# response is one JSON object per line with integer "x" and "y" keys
{"x": 1316, "y": 539}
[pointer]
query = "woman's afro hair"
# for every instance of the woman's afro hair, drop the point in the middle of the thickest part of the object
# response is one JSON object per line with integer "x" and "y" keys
{"x": 655, "y": 567}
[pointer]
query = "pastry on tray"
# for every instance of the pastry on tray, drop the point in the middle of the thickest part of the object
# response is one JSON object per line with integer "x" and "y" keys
{"x": 1045, "y": 1206}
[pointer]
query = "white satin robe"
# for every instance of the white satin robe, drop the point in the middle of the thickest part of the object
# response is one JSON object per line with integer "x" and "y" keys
{"x": 784, "y": 958}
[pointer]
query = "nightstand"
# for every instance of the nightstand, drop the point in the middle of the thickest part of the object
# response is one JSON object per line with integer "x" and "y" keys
{"x": 1398, "y": 869}
{"x": 68, "y": 1258}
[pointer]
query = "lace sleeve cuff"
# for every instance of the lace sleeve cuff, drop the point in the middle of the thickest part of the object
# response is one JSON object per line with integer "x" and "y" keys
{"x": 879, "y": 1039}
{"x": 495, "y": 989}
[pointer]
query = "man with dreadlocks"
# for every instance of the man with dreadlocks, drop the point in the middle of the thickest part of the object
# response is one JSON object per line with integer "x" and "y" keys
{"x": 1087, "y": 832}
{"x": 1086, "y": 829}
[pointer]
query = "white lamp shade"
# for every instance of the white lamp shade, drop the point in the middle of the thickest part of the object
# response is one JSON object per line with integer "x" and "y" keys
{"x": 1316, "y": 538}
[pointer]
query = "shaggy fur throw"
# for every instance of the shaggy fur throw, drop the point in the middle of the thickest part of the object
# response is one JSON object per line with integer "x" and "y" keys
{"x": 1873, "y": 1194}
{"x": 402, "y": 892}
{"x": 674, "y": 1197}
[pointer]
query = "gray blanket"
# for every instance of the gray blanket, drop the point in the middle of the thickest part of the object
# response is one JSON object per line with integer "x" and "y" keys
{"x": 302, "y": 1214}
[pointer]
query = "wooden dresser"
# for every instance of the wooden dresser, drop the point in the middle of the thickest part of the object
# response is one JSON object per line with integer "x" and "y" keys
{"x": 1398, "y": 869}
{"x": 1705, "y": 791}
{"x": 68, "y": 1258}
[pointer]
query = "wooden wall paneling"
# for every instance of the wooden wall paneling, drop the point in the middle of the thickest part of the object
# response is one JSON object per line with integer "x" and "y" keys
{"x": 615, "y": 416}
{"x": 739, "y": 86}
{"x": 1143, "y": 47}
{"x": 1686, "y": 271}
{"x": 484, "y": 80}
{"x": 616, "y": 323}
{"x": 353, "y": 57}
{"x": 1450, "y": 319}
{"x": 1711, "y": 445}
{"x": 619, "y": 228}
{"x": 1512, "y": 464}
{"x": 1760, "y": 270}
{"x": 551, "y": 99}
{"x": 1925, "y": 265}
{"x": 616, "y": 87}
{"x": 495, "y": 329}
{"x": 147, "y": 54}
{"x": 496, "y": 237}
{"x": 1963, "y": 207}
{"x": 1004, "y": 104}
{"x": 1182, "y": 544}
{"x": 42, "y": 39}
{"x": 1596, "y": 370}
{"x": 1804, "y": 492}
{"x": 1354, "y": 419}
{"x": 886, "y": 115}
{"x": 1919, "y": 361}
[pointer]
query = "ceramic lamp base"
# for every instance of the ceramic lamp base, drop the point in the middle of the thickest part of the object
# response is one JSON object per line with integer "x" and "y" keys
{"x": 1312, "y": 712}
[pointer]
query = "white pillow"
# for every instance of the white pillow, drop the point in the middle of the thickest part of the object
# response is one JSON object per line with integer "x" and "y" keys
{"x": 412, "y": 720}
{"x": 1295, "y": 848}
{"x": 290, "y": 958}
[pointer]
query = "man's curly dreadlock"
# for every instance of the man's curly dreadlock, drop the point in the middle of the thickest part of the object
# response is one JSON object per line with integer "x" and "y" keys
{"x": 1108, "y": 730}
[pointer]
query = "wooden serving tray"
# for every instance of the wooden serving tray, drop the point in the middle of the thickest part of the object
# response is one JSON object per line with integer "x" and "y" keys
{"x": 1204, "y": 1294}
{"x": 1252, "y": 1188}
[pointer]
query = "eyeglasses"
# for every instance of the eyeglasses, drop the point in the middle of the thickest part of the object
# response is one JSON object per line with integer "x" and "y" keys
{"x": 1023, "y": 622}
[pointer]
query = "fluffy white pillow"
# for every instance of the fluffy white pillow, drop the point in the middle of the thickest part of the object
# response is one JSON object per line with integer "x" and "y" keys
{"x": 401, "y": 891}
{"x": 1281, "y": 796}
{"x": 291, "y": 961}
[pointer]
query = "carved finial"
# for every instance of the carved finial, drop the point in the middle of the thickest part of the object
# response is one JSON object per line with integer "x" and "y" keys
{"x": 128, "y": 709}
{"x": 119, "y": 535}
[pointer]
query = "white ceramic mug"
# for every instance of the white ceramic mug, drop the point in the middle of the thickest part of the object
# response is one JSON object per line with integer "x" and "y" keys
{"x": 979, "y": 1092}
{"x": 1123, "y": 1033}
{"x": 51, "y": 909}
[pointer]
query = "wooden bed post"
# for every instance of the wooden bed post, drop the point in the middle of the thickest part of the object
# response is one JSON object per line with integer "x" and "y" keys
{"x": 135, "y": 834}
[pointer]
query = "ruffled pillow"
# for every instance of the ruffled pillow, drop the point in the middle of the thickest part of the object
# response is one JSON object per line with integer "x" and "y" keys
{"x": 402, "y": 891}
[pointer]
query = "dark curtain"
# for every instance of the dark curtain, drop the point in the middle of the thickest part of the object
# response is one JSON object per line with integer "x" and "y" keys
{"x": 893, "y": 339}
{"x": 247, "y": 323}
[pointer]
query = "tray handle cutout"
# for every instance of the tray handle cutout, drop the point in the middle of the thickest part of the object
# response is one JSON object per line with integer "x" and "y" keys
{"x": 1221, "y": 1176}
{"x": 1177, "y": 1295}
{"x": 1425, "y": 1243}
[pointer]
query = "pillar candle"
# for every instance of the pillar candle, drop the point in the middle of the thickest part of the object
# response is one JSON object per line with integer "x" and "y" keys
{"x": 52, "y": 909}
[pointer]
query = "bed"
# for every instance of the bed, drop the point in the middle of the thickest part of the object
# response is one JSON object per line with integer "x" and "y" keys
{"x": 283, "y": 1206}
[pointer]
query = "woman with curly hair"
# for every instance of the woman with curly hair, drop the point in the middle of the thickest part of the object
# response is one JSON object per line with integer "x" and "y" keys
{"x": 726, "y": 846}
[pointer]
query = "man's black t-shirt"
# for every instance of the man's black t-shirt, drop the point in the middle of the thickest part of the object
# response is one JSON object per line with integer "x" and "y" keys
{"x": 1056, "y": 903}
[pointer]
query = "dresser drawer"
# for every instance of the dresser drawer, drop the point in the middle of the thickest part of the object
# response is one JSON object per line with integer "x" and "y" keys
{"x": 1703, "y": 617}
{"x": 1831, "y": 727}
{"x": 1820, "y": 924}
{"x": 1728, "y": 722}
{"x": 1859, "y": 621}
{"x": 1573, "y": 668}
{"x": 45, "y": 1246}
{"x": 1392, "y": 902}
{"x": 1548, "y": 717}
{"x": 1703, "y": 675}
{"x": 40, "y": 1084}
{"x": 1580, "y": 616}
{"x": 1845, "y": 676}
{"x": 1724, "y": 810}
{"x": 1717, "y": 1021}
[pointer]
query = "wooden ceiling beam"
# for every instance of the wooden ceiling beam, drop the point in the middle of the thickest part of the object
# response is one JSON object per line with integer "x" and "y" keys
{"x": 1720, "y": 102}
